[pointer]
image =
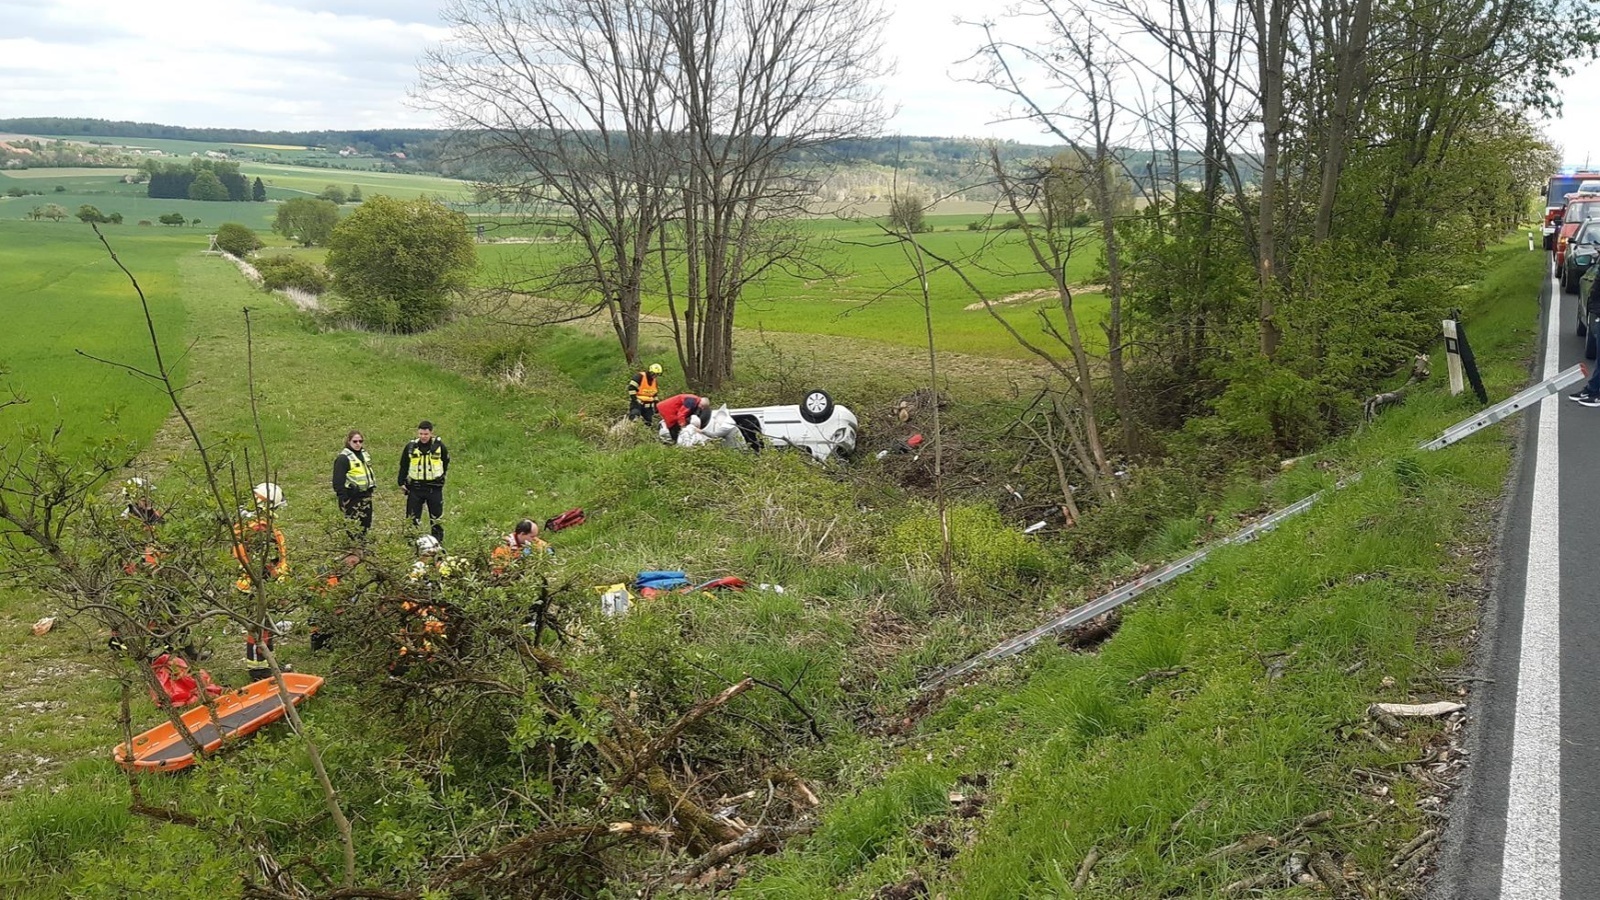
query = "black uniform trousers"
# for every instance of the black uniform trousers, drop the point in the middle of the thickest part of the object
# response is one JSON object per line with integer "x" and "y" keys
{"x": 424, "y": 494}
{"x": 357, "y": 507}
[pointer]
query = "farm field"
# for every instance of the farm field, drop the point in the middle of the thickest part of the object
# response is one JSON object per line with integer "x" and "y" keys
{"x": 303, "y": 180}
{"x": 65, "y": 174}
{"x": 109, "y": 194}
{"x": 868, "y": 290}
{"x": 62, "y": 294}
{"x": 179, "y": 148}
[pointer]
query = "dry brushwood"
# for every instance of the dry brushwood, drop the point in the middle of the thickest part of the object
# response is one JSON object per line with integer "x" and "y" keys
{"x": 1420, "y": 370}
{"x": 754, "y": 840}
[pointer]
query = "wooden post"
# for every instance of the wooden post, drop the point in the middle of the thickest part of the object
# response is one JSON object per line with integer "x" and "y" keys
{"x": 1452, "y": 352}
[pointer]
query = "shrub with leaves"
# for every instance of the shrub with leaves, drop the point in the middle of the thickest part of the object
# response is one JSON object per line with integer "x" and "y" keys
{"x": 398, "y": 263}
{"x": 279, "y": 272}
{"x": 237, "y": 239}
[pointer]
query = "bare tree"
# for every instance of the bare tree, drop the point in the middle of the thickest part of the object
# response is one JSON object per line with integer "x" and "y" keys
{"x": 674, "y": 132}
{"x": 564, "y": 103}
{"x": 1074, "y": 101}
{"x": 762, "y": 86}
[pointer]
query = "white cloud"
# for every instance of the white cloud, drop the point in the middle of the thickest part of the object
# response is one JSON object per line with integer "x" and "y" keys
{"x": 313, "y": 64}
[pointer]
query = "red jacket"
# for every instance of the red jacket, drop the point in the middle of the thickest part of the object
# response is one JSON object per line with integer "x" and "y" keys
{"x": 676, "y": 410}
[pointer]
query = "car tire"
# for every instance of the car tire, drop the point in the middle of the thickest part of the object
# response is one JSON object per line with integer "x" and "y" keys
{"x": 817, "y": 407}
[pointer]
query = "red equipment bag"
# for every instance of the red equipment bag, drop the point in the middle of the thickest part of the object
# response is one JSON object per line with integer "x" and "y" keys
{"x": 566, "y": 520}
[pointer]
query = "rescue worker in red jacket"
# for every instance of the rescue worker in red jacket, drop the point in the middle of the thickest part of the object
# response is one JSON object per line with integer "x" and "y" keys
{"x": 677, "y": 410}
{"x": 643, "y": 392}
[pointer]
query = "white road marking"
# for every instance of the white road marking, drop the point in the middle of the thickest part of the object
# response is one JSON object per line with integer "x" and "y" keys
{"x": 1531, "y": 866}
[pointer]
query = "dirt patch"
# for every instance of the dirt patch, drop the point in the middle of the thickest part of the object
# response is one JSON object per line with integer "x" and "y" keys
{"x": 1040, "y": 294}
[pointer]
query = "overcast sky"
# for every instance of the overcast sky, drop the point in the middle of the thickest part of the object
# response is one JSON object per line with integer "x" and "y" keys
{"x": 313, "y": 64}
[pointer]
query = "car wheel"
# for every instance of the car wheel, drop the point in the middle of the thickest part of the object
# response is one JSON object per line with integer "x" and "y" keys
{"x": 817, "y": 407}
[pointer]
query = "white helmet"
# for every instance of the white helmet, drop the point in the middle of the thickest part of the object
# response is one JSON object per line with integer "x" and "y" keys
{"x": 135, "y": 487}
{"x": 427, "y": 544}
{"x": 269, "y": 495}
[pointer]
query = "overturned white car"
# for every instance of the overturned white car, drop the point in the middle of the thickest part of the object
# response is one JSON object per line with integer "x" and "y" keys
{"x": 816, "y": 424}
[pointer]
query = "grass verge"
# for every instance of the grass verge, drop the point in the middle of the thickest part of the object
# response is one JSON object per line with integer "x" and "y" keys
{"x": 1229, "y": 704}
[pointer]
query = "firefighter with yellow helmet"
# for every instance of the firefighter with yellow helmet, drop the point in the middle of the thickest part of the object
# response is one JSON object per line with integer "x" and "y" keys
{"x": 643, "y": 392}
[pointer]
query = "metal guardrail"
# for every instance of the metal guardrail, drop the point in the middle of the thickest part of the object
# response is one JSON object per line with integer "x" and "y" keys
{"x": 1106, "y": 602}
{"x": 1507, "y": 408}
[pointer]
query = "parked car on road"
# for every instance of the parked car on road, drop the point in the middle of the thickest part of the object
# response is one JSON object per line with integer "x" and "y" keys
{"x": 1582, "y": 252}
{"x": 1579, "y": 210}
{"x": 1587, "y": 317}
{"x": 1558, "y": 191}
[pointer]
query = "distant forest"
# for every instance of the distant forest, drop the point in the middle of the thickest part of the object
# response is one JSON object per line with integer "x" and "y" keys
{"x": 932, "y": 165}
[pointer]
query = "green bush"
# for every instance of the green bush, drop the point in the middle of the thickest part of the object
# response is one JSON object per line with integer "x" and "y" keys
{"x": 398, "y": 263}
{"x": 985, "y": 551}
{"x": 237, "y": 239}
{"x": 279, "y": 272}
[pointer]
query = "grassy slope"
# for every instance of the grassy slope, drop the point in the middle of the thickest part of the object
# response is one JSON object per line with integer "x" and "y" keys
{"x": 1157, "y": 773}
{"x": 538, "y": 444}
{"x": 518, "y": 451}
{"x": 61, "y": 293}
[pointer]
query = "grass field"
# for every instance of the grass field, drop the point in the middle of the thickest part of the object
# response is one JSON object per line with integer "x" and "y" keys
{"x": 65, "y": 174}
{"x": 110, "y": 195}
{"x": 62, "y": 294}
{"x": 302, "y": 180}
{"x": 865, "y": 288}
{"x": 1061, "y": 751}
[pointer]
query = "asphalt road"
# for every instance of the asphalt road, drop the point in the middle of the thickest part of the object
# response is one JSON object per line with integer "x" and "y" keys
{"x": 1527, "y": 825}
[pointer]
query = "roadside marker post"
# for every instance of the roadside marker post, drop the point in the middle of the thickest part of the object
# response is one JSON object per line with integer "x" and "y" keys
{"x": 1524, "y": 399}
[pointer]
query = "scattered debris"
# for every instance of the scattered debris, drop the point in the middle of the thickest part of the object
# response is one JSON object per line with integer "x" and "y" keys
{"x": 1091, "y": 634}
{"x": 43, "y": 626}
{"x": 913, "y": 886}
{"x": 1420, "y": 710}
{"x": 1082, "y": 881}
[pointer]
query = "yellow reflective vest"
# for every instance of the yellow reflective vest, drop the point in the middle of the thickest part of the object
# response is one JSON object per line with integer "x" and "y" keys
{"x": 359, "y": 477}
{"x": 426, "y": 463}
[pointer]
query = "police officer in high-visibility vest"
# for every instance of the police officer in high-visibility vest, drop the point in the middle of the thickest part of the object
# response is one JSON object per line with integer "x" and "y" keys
{"x": 423, "y": 465}
{"x": 354, "y": 482}
{"x": 643, "y": 391}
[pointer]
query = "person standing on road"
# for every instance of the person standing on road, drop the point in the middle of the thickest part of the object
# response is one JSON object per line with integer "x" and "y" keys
{"x": 643, "y": 391}
{"x": 1589, "y": 394}
{"x": 423, "y": 465}
{"x": 354, "y": 482}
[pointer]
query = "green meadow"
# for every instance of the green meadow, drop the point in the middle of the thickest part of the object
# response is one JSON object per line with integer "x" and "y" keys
{"x": 863, "y": 284}
{"x": 303, "y": 180}
{"x": 1171, "y": 742}
{"x": 61, "y": 294}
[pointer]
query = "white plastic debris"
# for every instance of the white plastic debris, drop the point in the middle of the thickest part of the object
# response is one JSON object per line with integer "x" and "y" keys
{"x": 773, "y": 588}
{"x": 1034, "y": 528}
{"x": 283, "y": 626}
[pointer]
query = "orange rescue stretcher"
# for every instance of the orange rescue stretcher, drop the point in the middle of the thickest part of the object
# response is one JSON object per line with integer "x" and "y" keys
{"x": 240, "y": 712}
